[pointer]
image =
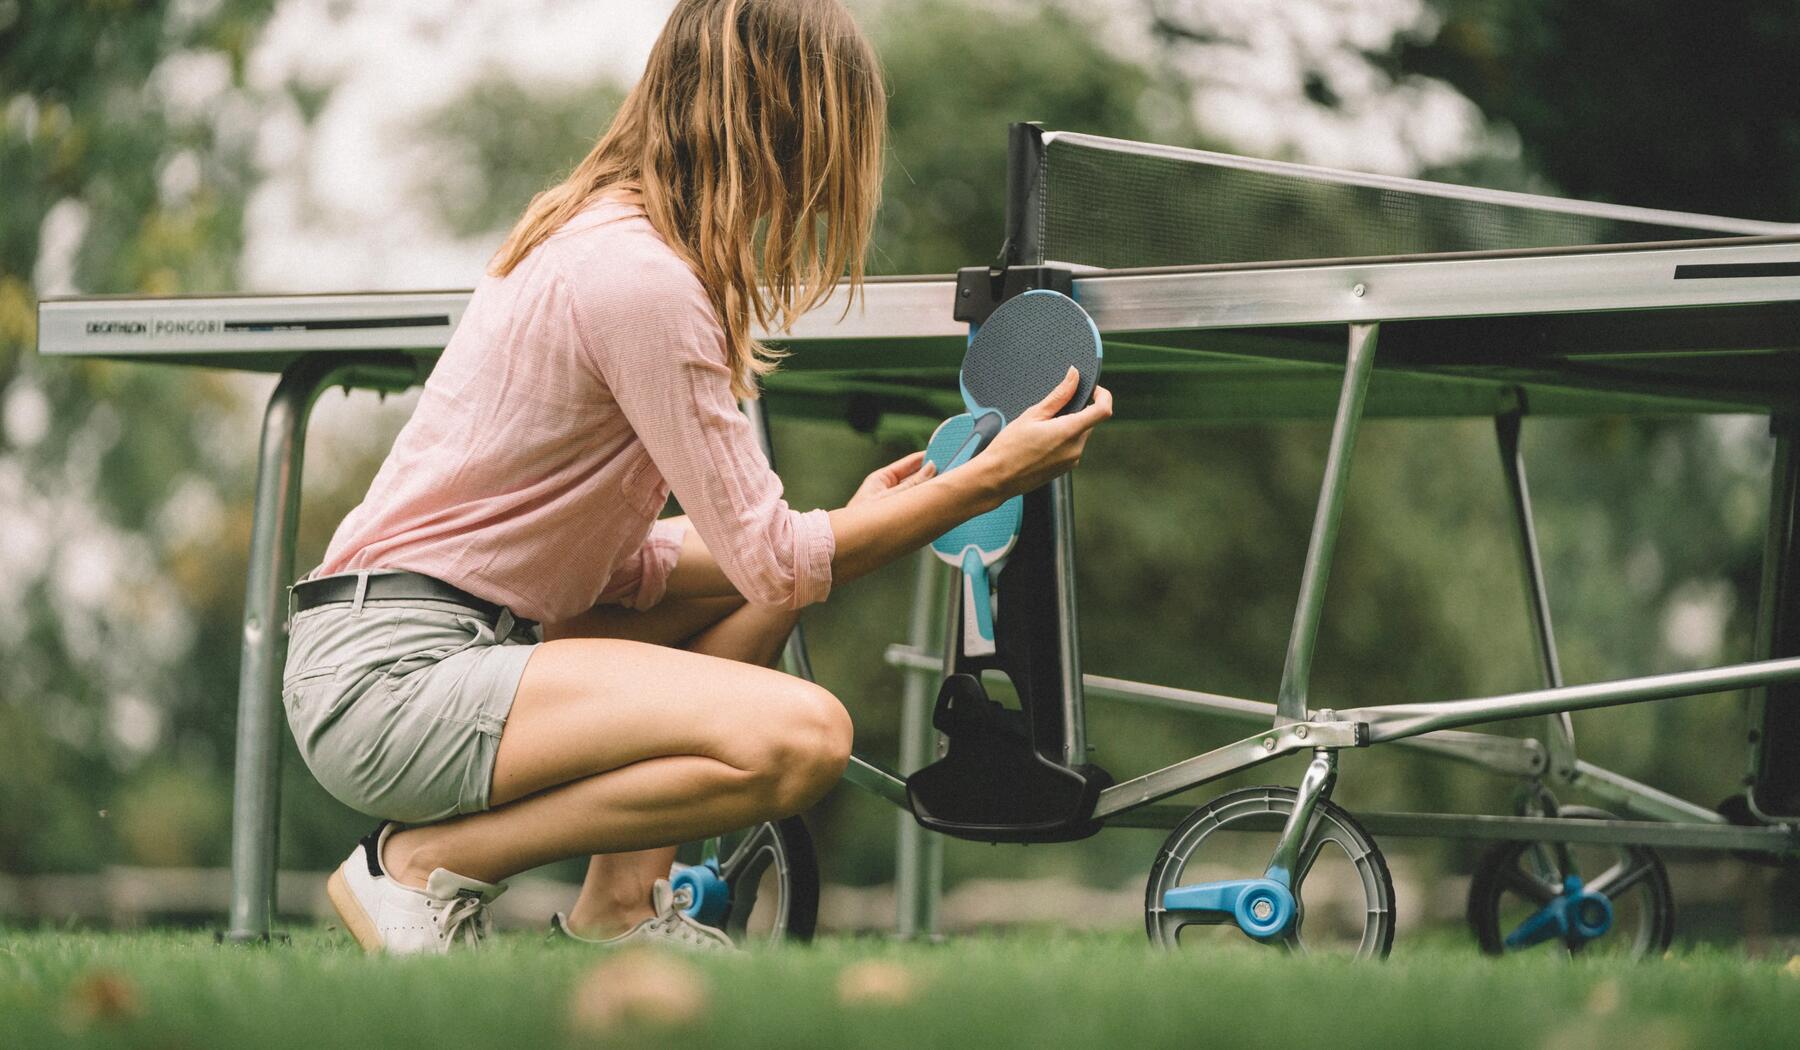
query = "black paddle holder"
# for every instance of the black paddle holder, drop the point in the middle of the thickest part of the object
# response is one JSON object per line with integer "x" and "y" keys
{"x": 1005, "y": 775}
{"x": 1016, "y": 774}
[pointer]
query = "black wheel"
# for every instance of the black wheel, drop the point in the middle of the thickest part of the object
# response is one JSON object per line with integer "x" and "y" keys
{"x": 771, "y": 875}
{"x": 1344, "y": 896}
{"x": 1514, "y": 882}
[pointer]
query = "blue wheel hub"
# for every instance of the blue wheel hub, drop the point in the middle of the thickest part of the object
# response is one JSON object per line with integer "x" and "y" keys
{"x": 1262, "y": 908}
{"x": 711, "y": 895}
{"x": 1574, "y": 916}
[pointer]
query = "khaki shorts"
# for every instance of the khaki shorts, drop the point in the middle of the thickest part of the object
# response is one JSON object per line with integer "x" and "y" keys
{"x": 398, "y": 705}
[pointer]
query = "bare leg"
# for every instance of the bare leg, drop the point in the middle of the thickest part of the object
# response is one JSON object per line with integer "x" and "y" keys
{"x": 615, "y": 895}
{"x": 618, "y": 746}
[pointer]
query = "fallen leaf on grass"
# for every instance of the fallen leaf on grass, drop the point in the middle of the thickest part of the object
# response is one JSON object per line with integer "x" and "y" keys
{"x": 637, "y": 987}
{"x": 1604, "y": 998}
{"x": 101, "y": 996}
{"x": 1792, "y": 969}
{"x": 876, "y": 982}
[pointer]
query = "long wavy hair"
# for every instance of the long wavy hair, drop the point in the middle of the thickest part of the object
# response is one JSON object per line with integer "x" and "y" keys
{"x": 754, "y": 140}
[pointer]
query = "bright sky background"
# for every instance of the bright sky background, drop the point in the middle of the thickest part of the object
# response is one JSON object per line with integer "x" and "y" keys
{"x": 335, "y": 210}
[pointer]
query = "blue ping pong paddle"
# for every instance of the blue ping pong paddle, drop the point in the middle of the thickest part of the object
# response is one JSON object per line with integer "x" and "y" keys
{"x": 978, "y": 545}
{"x": 1023, "y": 350}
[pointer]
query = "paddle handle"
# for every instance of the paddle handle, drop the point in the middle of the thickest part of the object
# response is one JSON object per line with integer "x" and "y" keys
{"x": 987, "y": 426}
{"x": 978, "y": 606}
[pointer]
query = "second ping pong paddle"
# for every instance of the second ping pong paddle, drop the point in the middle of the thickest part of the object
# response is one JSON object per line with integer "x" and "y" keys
{"x": 979, "y": 545}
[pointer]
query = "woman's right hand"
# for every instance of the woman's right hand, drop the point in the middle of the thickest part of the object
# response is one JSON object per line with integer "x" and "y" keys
{"x": 1041, "y": 445}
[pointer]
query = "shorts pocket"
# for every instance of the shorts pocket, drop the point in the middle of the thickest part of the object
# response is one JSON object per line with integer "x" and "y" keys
{"x": 300, "y": 694}
{"x": 417, "y": 659}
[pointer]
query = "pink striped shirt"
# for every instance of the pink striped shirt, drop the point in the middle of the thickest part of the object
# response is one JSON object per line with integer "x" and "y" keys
{"x": 575, "y": 394}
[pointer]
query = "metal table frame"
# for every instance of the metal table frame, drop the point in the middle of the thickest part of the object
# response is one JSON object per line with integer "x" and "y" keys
{"x": 899, "y": 347}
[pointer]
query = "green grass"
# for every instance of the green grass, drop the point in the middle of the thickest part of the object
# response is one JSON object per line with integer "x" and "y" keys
{"x": 176, "y": 989}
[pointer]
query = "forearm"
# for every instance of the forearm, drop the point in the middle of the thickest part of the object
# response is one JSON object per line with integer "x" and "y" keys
{"x": 868, "y": 535}
{"x": 874, "y": 533}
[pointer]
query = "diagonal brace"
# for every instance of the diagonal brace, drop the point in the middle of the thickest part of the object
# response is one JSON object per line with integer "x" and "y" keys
{"x": 1290, "y": 702}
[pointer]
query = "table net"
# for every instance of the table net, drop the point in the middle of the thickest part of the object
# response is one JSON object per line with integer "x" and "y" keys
{"x": 1113, "y": 203}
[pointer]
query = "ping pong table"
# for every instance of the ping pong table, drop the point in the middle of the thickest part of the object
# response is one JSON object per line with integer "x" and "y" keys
{"x": 1226, "y": 289}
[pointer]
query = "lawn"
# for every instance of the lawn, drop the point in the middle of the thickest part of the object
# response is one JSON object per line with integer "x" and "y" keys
{"x": 176, "y": 989}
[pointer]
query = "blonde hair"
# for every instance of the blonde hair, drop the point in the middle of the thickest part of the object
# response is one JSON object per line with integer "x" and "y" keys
{"x": 754, "y": 140}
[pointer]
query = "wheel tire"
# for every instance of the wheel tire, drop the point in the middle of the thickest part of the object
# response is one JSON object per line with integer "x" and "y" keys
{"x": 1255, "y": 807}
{"x": 1498, "y": 867}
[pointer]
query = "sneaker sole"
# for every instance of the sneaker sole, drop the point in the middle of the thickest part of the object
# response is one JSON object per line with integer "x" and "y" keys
{"x": 350, "y": 910}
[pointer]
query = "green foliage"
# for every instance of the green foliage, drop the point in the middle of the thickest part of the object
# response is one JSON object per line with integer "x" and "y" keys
{"x": 1650, "y": 102}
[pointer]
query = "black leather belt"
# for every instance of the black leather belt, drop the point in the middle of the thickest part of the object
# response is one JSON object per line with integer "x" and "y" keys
{"x": 403, "y": 586}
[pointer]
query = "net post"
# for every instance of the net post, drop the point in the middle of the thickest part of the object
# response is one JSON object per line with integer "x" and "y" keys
{"x": 1290, "y": 703}
{"x": 1024, "y": 247}
{"x": 1024, "y": 162}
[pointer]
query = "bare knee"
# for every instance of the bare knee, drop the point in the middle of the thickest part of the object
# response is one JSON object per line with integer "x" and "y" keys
{"x": 804, "y": 747}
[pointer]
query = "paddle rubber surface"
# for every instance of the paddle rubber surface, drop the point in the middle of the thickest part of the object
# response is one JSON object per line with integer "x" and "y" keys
{"x": 1024, "y": 349}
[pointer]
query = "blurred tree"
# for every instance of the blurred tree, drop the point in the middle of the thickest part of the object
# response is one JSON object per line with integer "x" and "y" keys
{"x": 1652, "y": 102}
{"x": 125, "y": 141}
{"x": 502, "y": 143}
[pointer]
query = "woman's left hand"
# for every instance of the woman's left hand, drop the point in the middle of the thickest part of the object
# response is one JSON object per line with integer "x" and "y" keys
{"x": 901, "y": 474}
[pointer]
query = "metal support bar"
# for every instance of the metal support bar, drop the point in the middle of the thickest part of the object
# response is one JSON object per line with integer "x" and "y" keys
{"x": 1397, "y": 721}
{"x": 1321, "y": 774}
{"x": 1068, "y": 640}
{"x": 1637, "y": 798}
{"x": 1561, "y": 737}
{"x": 1505, "y": 755}
{"x": 255, "y": 789}
{"x": 919, "y": 862}
{"x": 1233, "y": 757}
{"x": 1290, "y": 701}
{"x": 918, "y": 853}
{"x": 1773, "y": 785}
{"x": 1779, "y": 839}
{"x": 795, "y": 658}
{"x": 873, "y": 777}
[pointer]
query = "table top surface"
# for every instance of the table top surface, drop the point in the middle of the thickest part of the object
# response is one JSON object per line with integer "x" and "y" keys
{"x": 1666, "y": 327}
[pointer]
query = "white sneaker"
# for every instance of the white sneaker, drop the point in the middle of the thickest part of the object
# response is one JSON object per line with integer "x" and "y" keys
{"x": 385, "y": 916}
{"x": 671, "y": 926}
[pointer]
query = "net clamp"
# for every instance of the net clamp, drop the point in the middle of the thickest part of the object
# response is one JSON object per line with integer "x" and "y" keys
{"x": 979, "y": 289}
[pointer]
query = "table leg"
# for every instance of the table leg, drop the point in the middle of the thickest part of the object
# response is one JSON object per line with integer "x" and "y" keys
{"x": 255, "y": 793}
{"x": 1774, "y": 779}
{"x": 918, "y": 853}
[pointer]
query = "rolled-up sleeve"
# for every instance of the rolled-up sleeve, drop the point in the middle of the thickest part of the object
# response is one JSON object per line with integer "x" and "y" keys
{"x": 639, "y": 582}
{"x": 659, "y": 348}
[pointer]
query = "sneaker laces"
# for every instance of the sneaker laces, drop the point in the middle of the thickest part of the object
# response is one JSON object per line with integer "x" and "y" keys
{"x": 674, "y": 922}
{"x": 463, "y": 917}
